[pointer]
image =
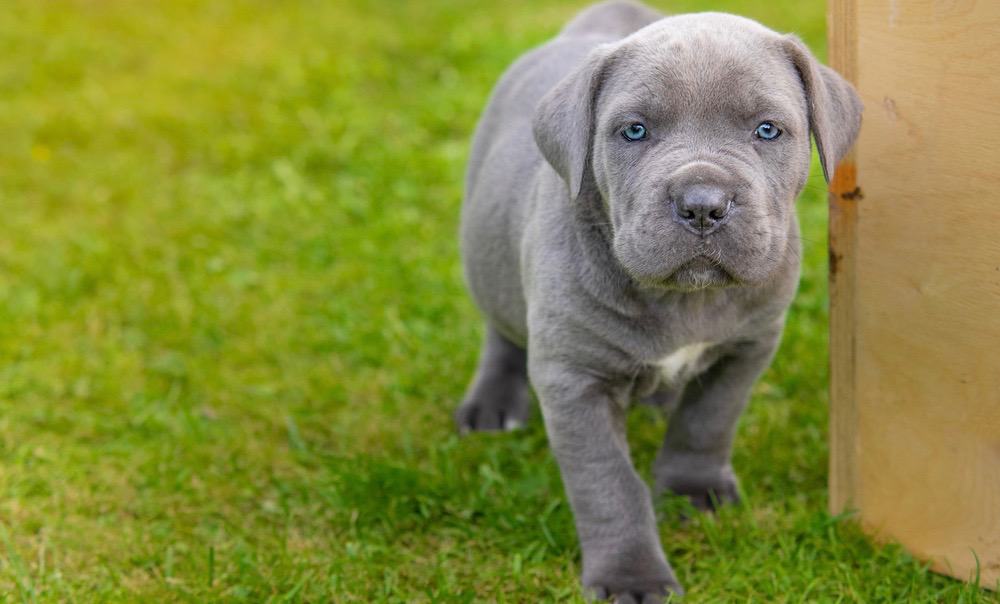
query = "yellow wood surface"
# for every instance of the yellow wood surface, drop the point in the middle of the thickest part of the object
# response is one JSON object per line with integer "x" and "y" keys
{"x": 915, "y": 280}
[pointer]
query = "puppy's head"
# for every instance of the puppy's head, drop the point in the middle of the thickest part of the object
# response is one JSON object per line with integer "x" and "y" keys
{"x": 694, "y": 132}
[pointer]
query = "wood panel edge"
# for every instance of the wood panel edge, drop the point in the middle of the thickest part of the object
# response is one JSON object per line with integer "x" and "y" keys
{"x": 844, "y": 196}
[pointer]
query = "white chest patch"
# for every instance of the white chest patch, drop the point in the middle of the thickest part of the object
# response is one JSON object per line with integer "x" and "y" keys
{"x": 678, "y": 364}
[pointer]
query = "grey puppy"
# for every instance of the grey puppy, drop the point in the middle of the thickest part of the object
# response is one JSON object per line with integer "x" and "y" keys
{"x": 629, "y": 232}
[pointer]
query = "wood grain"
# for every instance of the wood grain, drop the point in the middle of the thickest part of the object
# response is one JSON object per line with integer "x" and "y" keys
{"x": 915, "y": 281}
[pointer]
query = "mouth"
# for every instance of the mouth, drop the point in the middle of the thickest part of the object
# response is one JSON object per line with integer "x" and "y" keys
{"x": 700, "y": 273}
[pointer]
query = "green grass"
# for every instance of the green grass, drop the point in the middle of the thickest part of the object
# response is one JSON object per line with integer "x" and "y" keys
{"x": 234, "y": 326}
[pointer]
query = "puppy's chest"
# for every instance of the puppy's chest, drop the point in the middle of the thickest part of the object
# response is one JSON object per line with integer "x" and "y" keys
{"x": 684, "y": 362}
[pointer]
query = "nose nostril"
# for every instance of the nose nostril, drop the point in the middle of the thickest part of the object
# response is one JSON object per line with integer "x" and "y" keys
{"x": 720, "y": 213}
{"x": 701, "y": 208}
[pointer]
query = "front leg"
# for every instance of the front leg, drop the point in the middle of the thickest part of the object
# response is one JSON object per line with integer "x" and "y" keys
{"x": 612, "y": 507}
{"x": 695, "y": 459}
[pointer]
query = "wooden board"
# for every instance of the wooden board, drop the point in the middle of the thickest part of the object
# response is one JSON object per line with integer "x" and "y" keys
{"x": 915, "y": 280}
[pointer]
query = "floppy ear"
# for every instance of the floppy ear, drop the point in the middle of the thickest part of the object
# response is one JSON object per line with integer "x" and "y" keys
{"x": 564, "y": 120}
{"x": 834, "y": 105}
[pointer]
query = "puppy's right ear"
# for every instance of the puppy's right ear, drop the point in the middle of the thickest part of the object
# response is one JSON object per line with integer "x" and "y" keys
{"x": 834, "y": 106}
{"x": 564, "y": 120}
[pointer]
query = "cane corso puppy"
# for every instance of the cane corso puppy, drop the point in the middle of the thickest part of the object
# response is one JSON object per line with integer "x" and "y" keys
{"x": 629, "y": 233}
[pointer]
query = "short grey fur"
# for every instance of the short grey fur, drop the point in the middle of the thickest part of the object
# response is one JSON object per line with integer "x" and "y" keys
{"x": 595, "y": 258}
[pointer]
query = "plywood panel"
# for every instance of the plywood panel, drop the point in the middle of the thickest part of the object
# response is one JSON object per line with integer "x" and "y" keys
{"x": 916, "y": 445}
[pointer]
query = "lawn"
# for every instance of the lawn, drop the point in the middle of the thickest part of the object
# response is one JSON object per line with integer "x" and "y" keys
{"x": 234, "y": 326}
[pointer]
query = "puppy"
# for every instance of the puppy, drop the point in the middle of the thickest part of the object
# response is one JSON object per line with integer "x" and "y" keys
{"x": 628, "y": 232}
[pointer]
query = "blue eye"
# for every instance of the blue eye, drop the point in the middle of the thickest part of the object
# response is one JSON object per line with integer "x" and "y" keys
{"x": 767, "y": 131}
{"x": 634, "y": 132}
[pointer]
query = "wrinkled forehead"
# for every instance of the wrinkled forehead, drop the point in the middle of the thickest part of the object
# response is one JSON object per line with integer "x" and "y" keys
{"x": 735, "y": 67}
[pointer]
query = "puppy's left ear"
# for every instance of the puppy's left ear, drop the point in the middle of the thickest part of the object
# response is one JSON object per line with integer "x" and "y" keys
{"x": 834, "y": 106}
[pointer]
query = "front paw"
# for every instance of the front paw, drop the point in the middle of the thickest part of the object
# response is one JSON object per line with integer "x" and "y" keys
{"x": 657, "y": 596}
{"x": 652, "y": 585}
{"x": 654, "y": 594}
{"x": 706, "y": 491}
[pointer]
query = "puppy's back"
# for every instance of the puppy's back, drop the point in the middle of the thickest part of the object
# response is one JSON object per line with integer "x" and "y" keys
{"x": 617, "y": 18}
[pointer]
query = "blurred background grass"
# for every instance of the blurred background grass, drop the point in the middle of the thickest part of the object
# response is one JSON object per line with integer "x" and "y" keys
{"x": 235, "y": 327}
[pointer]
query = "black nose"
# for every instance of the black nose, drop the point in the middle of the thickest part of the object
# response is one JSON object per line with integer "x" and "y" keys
{"x": 702, "y": 208}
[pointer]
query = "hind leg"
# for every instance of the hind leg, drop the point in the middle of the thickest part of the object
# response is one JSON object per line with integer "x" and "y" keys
{"x": 498, "y": 397}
